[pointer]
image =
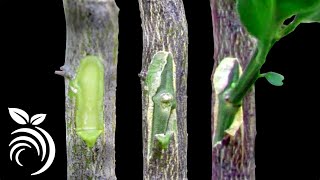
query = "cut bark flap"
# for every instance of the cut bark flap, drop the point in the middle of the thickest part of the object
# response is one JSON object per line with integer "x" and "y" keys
{"x": 228, "y": 117}
{"x": 161, "y": 92}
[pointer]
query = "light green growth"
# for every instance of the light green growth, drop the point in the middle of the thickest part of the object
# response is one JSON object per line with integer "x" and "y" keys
{"x": 160, "y": 82}
{"x": 163, "y": 139}
{"x": 273, "y": 78}
{"x": 88, "y": 90}
{"x": 228, "y": 117}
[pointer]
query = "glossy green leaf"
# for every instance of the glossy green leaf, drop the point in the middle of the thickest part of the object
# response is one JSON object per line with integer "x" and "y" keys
{"x": 314, "y": 17}
{"x": 264, "y": 18}
{"x": 287, "y": 8}
{"x": 274, "y": 78}
{"x": 257, "y": 17}
{"x": 310, "y": 17}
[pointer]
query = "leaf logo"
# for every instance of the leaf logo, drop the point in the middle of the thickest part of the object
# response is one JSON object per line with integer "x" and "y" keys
{"x": 18, "y": 144}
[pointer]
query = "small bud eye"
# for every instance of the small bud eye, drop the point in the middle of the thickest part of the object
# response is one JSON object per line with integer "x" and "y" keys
{"x": 166, "y": 97}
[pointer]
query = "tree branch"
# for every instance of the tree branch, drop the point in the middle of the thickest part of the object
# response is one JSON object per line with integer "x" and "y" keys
{"x": 165, "y": 29}
{"x": 92, "y": 29}
{"x": 234, "y": 158}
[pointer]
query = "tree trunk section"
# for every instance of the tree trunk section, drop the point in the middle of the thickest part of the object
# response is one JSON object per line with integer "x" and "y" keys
{"x": 92, "y": 29}
{"x": 234, "y": 158}
{"x": 165, "y": 28}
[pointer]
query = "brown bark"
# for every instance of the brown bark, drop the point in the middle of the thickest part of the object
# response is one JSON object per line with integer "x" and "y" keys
{"x": 92, "y": 29}
{"x": 165, "y": 28}
{"x": 234, "y": 159}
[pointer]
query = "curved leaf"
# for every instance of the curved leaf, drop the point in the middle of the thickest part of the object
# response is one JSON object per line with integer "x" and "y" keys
{"x": 19, "y": 116}
{"x": 314, "y": 17}
{"x": 257, "y": 17}
{"x": 310, "y": 17}
{"x": 274, "y": 78}
{"x": 264, "y": 18}
{"x": 37, "y": 119}
{"x": 287, "y": 8}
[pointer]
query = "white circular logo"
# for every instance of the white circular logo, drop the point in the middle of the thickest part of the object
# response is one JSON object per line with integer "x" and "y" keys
{"x": 21, "y": 142}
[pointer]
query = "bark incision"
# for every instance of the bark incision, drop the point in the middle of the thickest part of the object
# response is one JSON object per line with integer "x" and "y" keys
{"x": 165, "y": 28}
{"x": 234, "y": 159}
{"x": 92, "y": 29}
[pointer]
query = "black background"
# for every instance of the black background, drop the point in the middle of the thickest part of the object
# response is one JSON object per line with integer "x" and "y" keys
{"x": 33, "y": 39}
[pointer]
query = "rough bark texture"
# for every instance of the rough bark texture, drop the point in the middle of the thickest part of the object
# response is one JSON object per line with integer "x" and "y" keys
{"x": 234, "y": 159}
{"x": 92, "y": 29}
{"x": 165, "y": 28}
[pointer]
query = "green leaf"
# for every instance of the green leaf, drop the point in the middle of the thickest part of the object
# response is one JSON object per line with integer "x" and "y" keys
{"x": 274, "y": 78}
{"x": 314, "y": 17}
{"x": 264, "y": 18}
{"x": 257, "y": 17}
{"x": 310, "y": 17}
{"x": 287, "y": 8}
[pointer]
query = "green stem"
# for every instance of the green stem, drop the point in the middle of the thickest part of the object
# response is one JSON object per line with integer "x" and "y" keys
{"x": 249, "y": 76}
{"x": 252, "y": 72}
